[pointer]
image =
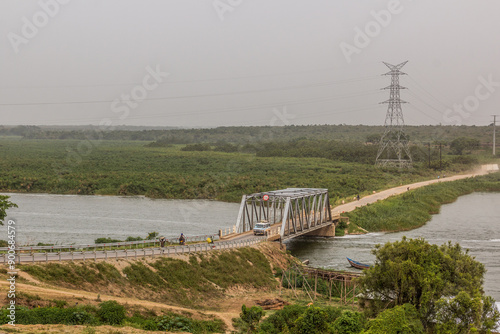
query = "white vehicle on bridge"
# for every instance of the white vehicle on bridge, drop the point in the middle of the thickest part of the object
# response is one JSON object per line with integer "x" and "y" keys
{"x": 261, "y": 228}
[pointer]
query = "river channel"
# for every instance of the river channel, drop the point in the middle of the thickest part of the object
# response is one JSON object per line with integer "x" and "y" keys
{"x": 473, "y": 221}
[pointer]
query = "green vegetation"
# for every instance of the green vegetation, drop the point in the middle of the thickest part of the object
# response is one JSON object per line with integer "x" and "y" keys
{"x": 414, "y": 208}
{"x": 247, "y": 134}
{"x": 128, "y": 168}
{"x": 443, "y": 283}
{"x": 185, "y": 283}
{"x": 106, "y": 240}
{"x": 111, "y": 313}
{"x": 301, "y": 320}
{"x": 459, "y": 145}
{"x": 399, "y": 319}
{"x": 4, "y": 205}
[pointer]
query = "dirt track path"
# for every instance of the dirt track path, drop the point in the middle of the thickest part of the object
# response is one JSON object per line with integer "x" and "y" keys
{"x": 53, "y": 293}
{"x": 399, "y": 190}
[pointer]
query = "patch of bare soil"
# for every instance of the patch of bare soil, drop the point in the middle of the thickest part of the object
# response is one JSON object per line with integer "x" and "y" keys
{"x": 72, "y": 329}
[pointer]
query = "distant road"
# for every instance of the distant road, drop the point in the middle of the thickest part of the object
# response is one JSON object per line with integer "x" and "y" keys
{"x": 401, "y": 189}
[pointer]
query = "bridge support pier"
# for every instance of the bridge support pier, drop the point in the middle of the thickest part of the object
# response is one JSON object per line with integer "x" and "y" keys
{"x": 327, "y": 231}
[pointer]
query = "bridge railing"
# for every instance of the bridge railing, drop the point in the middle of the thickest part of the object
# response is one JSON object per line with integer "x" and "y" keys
{"x": 33, "y": 257}
{"x": 142, "y": 243}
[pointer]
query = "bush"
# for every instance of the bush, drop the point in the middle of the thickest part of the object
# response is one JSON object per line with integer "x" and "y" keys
{"x": 111, "y": 312}
{"x": 81, "y": 317}
{"x": 106, "y": 240}
{"x": 314, "y": 320}
{"x": 349, "y": 322}
{"x": 251, "y": 316}
{"x": 134, "y": 239}
{"x": 150, "y": 325}
{"x": 174, "y": 324}
{"x": 282, "y": 319}
{"x": 196, "y": 147}
{"x": 152, "y": 235}
{"x": 400, "y": 319}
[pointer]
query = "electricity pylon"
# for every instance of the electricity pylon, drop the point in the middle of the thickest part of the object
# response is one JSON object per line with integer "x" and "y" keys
{"x": 393, "y": 150}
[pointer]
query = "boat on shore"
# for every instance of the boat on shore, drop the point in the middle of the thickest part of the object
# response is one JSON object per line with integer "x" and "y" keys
{"x": 357, "y": 265}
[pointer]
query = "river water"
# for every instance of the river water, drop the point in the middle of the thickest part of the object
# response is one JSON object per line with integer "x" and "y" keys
{"x": 473, "y": 221}
{"x": 73, "y": 219}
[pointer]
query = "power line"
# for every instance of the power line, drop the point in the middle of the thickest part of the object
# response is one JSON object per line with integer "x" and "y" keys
{"x": 236, "y": 109}
{"x": 324, "y": 84}
{"x": 191, "y": 81}
{"x": 422, "y": 88}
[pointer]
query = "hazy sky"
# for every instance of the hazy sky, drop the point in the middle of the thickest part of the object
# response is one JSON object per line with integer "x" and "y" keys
{"x": 246, "y": 62}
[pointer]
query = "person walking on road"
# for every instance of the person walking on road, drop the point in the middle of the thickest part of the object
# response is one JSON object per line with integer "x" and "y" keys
{"x": 182, "y": 239}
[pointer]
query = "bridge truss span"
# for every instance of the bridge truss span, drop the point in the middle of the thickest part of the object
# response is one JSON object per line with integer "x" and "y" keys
{"x": 299, "y": 210}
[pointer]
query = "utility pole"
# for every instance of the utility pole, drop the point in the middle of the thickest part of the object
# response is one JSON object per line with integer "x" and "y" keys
{"x": 440, "y": 156}
{"x": 494, "y": 129}
{"x": 429, "y": 155}
{"x": 393, "y": 150}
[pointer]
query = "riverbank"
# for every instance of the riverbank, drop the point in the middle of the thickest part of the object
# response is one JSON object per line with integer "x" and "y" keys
{"x": 412, "y": 208}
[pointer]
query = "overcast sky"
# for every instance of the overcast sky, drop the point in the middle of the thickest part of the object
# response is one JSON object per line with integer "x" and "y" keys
{"x": 246, "y": 62}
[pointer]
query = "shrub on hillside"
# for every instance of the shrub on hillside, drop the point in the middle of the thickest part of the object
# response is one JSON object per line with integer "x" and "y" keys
{"x": 111, "y": 312}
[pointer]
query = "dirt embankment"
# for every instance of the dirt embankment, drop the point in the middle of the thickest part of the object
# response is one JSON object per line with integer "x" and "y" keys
{"x": 201, "y": 286}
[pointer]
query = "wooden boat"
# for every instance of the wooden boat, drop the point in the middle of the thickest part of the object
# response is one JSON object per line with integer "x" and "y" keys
{"x": 357, "y": 265}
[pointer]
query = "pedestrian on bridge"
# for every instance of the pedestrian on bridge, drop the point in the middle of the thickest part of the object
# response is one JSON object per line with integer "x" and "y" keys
{"x": 210, "y": 241}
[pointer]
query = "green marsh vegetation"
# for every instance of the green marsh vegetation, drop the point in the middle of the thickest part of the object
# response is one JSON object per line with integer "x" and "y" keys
{"x": 107, "y": 167}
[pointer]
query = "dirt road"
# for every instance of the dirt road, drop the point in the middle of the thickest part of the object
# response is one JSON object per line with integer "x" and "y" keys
{"x": 401, "y": 189}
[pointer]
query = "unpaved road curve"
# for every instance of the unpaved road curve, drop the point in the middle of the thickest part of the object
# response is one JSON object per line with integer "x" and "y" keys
{"x": 399, "y": 190}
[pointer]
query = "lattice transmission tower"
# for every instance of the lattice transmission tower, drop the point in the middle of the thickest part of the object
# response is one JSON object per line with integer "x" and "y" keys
{"x": 393, "y": 150}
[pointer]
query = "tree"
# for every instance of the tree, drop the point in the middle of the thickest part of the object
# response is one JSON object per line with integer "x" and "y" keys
{"x": 152, "y": 235}
{"x": 459, "y": 145}
{"x": 464, "y": 314}
{"x": 313, "y": 320}
{"x": 251, "y": 317}
{"x": 400, "y": 319}
{"x": 416, "y": 272}
{"x": 4, "y": 205}
{"x": 349, "y": 322}
{"x": 373, "y": 138}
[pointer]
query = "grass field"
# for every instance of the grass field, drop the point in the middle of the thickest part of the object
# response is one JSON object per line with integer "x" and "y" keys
{"x": 130, "y": 168}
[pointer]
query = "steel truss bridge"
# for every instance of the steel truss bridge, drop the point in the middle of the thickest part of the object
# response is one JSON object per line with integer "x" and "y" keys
{"x": 299, "y": 210}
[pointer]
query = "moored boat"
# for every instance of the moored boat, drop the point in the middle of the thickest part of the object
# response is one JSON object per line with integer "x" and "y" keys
{"x": 357, "y": 265}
